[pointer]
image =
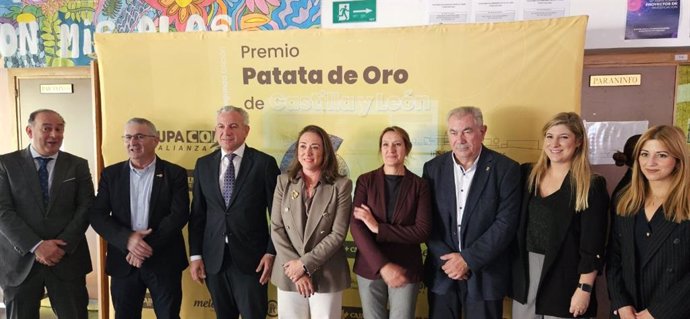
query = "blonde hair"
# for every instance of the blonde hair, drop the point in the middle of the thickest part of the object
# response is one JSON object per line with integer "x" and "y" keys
{"x": 580, "y": 170}
{"x": 677, "y": 203}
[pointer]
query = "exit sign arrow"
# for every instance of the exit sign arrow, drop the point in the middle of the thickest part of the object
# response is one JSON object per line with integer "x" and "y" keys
{"x": 354, "y": 11}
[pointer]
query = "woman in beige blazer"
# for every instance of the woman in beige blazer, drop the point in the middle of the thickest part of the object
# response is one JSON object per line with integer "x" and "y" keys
{"x": 309, "y": 221}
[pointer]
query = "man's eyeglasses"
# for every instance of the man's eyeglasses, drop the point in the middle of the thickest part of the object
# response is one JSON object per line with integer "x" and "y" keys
{"x": 136, "y": 137}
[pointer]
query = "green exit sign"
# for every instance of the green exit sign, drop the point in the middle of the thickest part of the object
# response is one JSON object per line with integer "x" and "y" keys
{"x": 354, "y": 11}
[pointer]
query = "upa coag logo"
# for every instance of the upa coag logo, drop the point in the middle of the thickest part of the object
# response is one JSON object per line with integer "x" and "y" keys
{"x": 186, "y": 140}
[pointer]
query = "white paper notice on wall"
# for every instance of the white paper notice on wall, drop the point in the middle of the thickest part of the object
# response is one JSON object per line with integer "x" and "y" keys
{"x": 606, "y": 138}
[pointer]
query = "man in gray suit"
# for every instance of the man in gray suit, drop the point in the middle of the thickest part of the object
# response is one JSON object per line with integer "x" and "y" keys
{"x": 44, "y": 197}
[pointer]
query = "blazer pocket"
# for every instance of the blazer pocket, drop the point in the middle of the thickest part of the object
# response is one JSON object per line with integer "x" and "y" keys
{"x": 70, "y": 179}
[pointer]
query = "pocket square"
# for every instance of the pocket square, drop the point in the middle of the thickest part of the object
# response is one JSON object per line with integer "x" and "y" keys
{"x": 69, "y": 179}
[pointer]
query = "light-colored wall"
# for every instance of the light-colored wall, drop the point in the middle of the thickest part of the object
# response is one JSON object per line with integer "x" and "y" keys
{"x": 8, "y": 126}
{"x": 606, "y": 27}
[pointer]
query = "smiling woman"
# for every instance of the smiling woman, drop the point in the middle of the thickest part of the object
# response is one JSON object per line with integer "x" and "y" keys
{"x": 311, "y": 210}
{"x": 648, "y": 269}
{"x": 561, "y": 236}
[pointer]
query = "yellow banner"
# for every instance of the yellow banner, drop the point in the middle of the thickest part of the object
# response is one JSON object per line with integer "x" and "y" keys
{"x": 353, "y": 83}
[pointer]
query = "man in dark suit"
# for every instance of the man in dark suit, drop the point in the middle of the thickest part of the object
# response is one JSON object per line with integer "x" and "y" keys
{"x": 476, "y": 205}
{"x": 141, "y": 207}
{"x": 228, "y": 228}
{"x": 44, "y": 197}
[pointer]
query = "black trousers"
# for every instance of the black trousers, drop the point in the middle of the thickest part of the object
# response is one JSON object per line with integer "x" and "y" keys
{"x": 128, "y": 293}
{"x": 234, "y": 292}
{"x": 68, "y": 298}
{"x": 454, "y": 304}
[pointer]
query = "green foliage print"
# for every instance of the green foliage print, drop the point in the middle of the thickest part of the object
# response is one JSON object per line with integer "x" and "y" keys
{"x": 50, "y": 34}
{"x": 79, "y": 11}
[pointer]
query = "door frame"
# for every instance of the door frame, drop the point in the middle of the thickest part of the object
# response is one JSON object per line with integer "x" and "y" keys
{"x": 16, "y": 74}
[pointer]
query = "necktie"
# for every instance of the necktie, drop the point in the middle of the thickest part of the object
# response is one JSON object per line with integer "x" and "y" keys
{"x": 229, "y": 179}
{"x": 43, "y": 178}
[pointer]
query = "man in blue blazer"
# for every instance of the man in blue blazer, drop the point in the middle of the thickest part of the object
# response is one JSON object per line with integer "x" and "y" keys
{"x": 231, "y": 250}
{"x": 44, "y": 197}
{"x": 476, "y": 205}
{"x": 141, "y": 207}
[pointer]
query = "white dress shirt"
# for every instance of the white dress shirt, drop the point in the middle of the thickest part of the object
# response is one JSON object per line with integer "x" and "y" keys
{"x": 463, "y": 181}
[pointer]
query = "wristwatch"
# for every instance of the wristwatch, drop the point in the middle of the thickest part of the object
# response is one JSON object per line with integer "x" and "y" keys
{"x": 306, "y": 271}
{"x": 585, "y": 287}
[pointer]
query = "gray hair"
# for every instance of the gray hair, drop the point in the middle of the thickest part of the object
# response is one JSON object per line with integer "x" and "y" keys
{"x": 241, "y": 111}
{"x": 32, "y": 116}
{"x": 143, "y": 121}
{"x": 464, "y": 110}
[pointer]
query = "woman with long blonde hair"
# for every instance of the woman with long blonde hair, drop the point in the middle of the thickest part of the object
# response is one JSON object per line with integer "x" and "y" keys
{"x": 562, "y": 232}
{"x": 648, "y": 268}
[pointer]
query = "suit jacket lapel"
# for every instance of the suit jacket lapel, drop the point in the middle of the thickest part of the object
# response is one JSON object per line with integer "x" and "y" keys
{"x": 29, "y": 167}
{"x": 322, "y": 198}
{"x": 448, "y": 178}
{"x": 245, "y": 167}
{"x": 214, "y": 171}
{"x": 59, "y": 171}
{"x": 481, "y": 176}
{"x": 380, "y": 188}
{"x": 294, "y": 193}
{"x": 155, "y": 190}
{"x": 124, "y": 186}
{"x": 660, "y": 234}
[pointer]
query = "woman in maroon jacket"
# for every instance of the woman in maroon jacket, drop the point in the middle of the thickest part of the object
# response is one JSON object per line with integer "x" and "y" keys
{"x": 391, "y": 218}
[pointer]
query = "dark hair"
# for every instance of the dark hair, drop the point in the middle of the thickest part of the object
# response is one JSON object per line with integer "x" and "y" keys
{"x": 32, "y": 116}
{"x": 626, "y": 157}
{"x": 403, "y": 134}
{"x": 329, "y": 166}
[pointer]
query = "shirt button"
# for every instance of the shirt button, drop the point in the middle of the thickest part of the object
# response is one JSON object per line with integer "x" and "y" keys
{"x": 287, "y": 209}
{"x": 647, "y": 234}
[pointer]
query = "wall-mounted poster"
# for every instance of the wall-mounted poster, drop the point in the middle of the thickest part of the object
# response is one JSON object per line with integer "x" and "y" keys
{"x": 652, "y": 19}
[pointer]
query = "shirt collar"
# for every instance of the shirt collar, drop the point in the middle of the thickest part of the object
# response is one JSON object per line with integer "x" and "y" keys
{"x": 148, "y": 167}
{"x": 35, "y": 153}
{"x": 238, "y": 152}
{"x": 474, "y": 164}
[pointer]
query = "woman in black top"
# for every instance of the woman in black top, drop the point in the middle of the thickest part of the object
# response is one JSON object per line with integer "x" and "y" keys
{"x": 561, "y": 237}
{"x": 648, "y": 268}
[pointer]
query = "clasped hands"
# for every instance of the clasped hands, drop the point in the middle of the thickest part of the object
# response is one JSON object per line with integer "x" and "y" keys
{"x": 49, "y": 252}
{"x": 455, "y": 266}
{"x": 138, "y": 248}
{"x": 294, "y": 269}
